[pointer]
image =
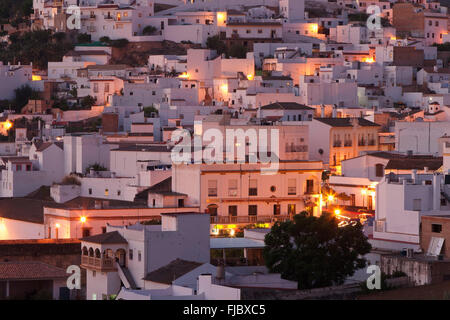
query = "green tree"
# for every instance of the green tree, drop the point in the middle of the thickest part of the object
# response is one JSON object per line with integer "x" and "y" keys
{"x": 149, "y": 30}
{"x": 314, "y": 251}
{"x": 214, "y": 43}
{"x": 23, "y": 95}
{"x": 84, "y": 38}
{"x": 238, "y": 51}
{"x": 149, "y": 110}
{"x": 87, "y": 101}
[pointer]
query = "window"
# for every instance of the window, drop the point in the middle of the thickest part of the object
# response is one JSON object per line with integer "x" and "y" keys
{"x": 95, "y": 87}
{"x": 18, "y": 167}
{"x": 232, "y": 211}
{"x": 106, "y": 87}
{"x": 212, "y": 209}
{"x": 292, "y": 190}
{"x": 291, "y": 209}
{"x": 118, "y": 192}
{"x": 103, "y": 229}
{"x": 212, "y": 188}
{"x": 94, "y": 273}
{"x": 232, "y": 188}
{"x": 106, "y": 192}
{"x": 180, "y": 203}
{"x": 139, "y": 256}
{"x": 90, "y": 190}
{"x": 379, "y": 170}
{"x": 252, "y": 210}
{"x": 276, "y": 209}
{"x": 437, "y": 228}
{"x": 309, "y": 186}
{"x": 130, "y": 254}
{"x": 253, "y": 187}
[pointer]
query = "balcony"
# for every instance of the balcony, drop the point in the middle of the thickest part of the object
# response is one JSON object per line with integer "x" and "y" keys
{"x": 97, "y": 263}
{"x": 248, "y": 219}
{"x": 372, "y": 142}
{"x": 348, "y": 143}
{"x": 361, "y": 143}
{"x": 88, "y": 17}
{"x": 337, "y": 144}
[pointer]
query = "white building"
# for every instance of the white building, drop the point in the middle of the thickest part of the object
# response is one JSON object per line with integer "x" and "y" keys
{"x": 13, "y": 77}
{"x": 129, "y": 254}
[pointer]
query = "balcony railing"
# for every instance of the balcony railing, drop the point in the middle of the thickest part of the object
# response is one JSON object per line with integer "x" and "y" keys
{"x": 97, "y": 263}
{"x": 371, "y": 143}
{"x": 248, "y": 219}
{"x": 337, "y": 144}
{"x": 347, "y": 144}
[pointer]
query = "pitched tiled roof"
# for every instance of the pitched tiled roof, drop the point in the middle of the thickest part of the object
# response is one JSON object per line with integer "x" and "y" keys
{"x": 41, "y": 147}
{"x": 30, "y": 270}
{"x": 286, "y": 106}
{"x": 410, "y": 164}
{"x": 346, "y": 122}
{"x": 105, "y": 238}
{"x": 164, "y": 187}
{"x": 23, "y": 209}
{"x": 172, "y": 271}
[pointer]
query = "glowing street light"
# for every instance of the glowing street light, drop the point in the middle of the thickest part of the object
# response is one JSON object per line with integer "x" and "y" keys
{"x": 330, "y": 197}
{"x": 337, "y": 212}
{"x": 7, "y": 125}
{"x": 83, "y": 219}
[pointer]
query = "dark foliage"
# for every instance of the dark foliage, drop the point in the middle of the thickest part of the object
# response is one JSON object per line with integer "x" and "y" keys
{"x": 314, "y": 251}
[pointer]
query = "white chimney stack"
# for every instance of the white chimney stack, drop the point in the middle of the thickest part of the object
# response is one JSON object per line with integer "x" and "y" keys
{"x": 414, "y": 176}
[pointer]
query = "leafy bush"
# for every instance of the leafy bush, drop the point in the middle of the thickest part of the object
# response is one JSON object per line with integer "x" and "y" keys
{"x": 149, "y": 30}
{"x": 69, "y": 180}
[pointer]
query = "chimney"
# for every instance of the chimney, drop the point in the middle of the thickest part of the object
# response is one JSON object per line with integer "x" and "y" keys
{"x": 322, "y": 111}
{"x": 414, "y": 176}
{"x": 436, "y": 191}
{"x": 334, "y": 113}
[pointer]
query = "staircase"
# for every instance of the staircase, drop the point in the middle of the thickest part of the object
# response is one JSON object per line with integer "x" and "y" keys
{"x": 446, "y": 196}
{"x": 126, "y": 277}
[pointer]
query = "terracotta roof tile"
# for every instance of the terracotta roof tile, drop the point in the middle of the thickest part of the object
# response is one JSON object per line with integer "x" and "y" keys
{"x": 30, "y": 270}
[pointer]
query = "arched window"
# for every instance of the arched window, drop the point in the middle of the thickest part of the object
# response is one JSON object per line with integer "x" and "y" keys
{"x": 91, "y": 252}
{"x": 97, "y": 253}
{"x": 85, "y": 251}
{"x": 212, "y": 209}
{"x": 379, "y": 170}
